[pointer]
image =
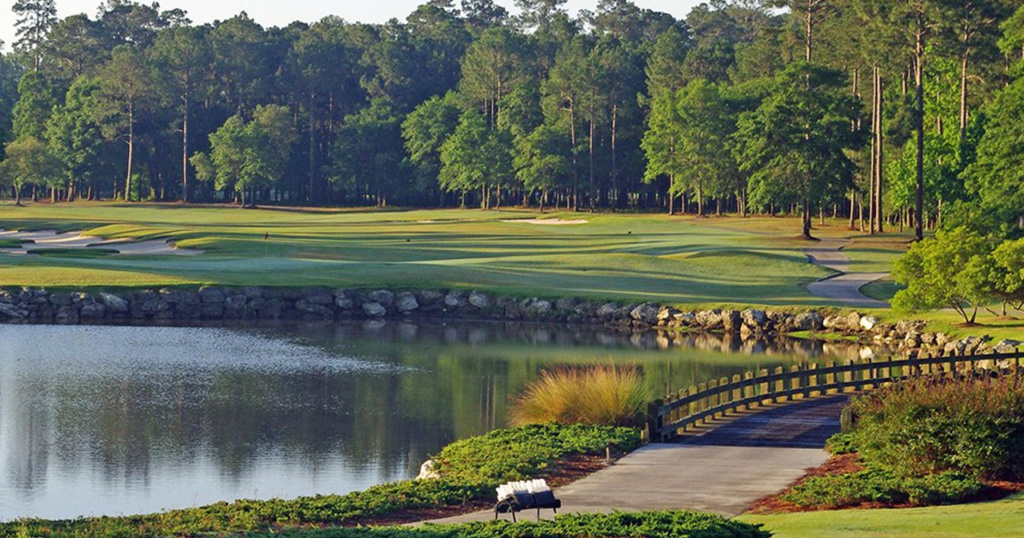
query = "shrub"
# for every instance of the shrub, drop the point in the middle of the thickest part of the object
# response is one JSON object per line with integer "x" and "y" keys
{"x": 841, "y": 443}
{"x": 603, "y": 395}
{"x": 839, "y": 491}
{"x": 519, "y": 453}
{"x": 920, "y": 427}
{"x": 619, "y": 525}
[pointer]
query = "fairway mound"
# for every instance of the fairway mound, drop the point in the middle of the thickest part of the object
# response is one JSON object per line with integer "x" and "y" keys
{"x": 51, "y": 241}
{"x": 548, "y": 222}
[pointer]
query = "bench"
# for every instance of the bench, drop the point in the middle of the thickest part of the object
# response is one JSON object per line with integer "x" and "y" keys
{"x": 525, "y": 495}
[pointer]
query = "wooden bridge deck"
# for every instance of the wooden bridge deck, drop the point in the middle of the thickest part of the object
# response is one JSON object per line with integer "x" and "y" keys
{"x": 800, "y": 424}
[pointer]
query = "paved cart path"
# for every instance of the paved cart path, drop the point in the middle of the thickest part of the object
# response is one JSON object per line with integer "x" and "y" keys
{"x": 752, "y": 455}
{"x": 843, "y": 288}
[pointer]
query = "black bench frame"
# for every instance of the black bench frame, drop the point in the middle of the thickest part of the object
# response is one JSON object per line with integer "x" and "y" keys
{"x": 520, "y": 501}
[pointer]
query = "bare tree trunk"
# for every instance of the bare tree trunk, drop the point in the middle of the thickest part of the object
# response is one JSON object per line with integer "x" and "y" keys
{"x": 919, "y": 72}
{"x": 131, "y": 152}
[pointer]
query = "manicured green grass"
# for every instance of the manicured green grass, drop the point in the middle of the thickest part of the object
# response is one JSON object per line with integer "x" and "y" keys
{"x": 73, "y": 252}
{"x": 630, "y": 258}
{"x": 990, "y": 519}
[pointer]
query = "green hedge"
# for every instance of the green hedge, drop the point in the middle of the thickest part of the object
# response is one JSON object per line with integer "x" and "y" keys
{"x": 519, "y": 453}
{"x": 618, "y": 525}
{"x": 919, "y": 428}
{"x": 841, "y": 491}
{"x": 472, "y": 468}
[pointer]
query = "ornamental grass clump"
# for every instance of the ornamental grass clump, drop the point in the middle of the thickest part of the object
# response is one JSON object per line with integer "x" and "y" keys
{"x": 923, "y": 426}
{"x": 597, "y": 395}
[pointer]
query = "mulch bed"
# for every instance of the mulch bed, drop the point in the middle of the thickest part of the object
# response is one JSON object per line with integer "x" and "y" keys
{"x": 850, "y": 463}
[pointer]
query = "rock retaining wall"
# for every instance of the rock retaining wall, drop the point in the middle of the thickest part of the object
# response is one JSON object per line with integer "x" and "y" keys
{"x": 320, "y": 304}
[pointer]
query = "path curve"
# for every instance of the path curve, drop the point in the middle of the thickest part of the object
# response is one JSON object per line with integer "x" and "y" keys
{"x": 749, "y": 456}
{"x": 843, "y": 288}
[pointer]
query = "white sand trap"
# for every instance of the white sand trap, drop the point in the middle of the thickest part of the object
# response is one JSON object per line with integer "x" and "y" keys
{"x": 548, "y": 222}
{"x": 49, "y": 239}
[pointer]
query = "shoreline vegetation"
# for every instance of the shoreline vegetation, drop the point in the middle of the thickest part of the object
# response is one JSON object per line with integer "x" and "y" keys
{"x": 464, "y": 476}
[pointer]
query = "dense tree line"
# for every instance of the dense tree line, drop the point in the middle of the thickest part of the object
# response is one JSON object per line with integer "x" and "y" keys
{"x": 887, "y": 112}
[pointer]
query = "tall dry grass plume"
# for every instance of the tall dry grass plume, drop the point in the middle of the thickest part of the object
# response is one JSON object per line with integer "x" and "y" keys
{"x": 597, "y": 395}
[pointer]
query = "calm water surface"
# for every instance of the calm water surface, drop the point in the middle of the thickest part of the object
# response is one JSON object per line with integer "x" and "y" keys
{"x": 123, "y": 420}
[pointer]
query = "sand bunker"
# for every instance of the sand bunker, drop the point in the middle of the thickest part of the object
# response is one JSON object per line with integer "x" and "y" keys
{"x": 51, "y": 239}
{"x": 548, "y": 222}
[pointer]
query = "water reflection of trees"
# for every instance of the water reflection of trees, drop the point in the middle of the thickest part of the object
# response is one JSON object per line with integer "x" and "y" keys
{"x": 439, "y": 382}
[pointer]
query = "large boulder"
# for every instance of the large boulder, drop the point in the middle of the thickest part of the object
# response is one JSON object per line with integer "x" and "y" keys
{"x": 92, "y": 311}
{"x": 709, "y": 319}
{"x": 374, "y": 309}
{"x": 385, "y": 298}
{"x": 537, "y": 308}
{"x": 645, "y": 313}
{"x": 10, "y": 312}
{"x": 66, "y": 315}
{"x": 344, "y": 300}
{"x": 318, "y": 296}
{"x": 210, "y": 294}
{"x": 809, "y": 321}
{"x": 608, "y": 311}
{"x": 406, "y": 302}
{"x": 480, "y": 300}
{"x": 755, "y": 319}
{"x": 455, "y": 300}
{"x": 113, "y": 304}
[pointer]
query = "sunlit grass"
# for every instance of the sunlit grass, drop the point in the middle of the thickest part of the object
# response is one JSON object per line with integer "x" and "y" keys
{"x": 595, "y": 395}
{"x": 996, "y": 519}
{"x": 625, "y": 257}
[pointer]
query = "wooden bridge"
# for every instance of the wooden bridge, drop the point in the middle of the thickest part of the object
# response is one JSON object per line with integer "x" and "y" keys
{"x": 692, "y": 409}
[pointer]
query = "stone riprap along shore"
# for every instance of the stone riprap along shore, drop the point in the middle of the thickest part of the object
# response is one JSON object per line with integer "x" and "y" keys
{"x": 210, "y": 303}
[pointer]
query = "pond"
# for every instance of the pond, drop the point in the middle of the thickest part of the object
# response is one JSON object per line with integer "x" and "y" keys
{"x": 111, "y": 420}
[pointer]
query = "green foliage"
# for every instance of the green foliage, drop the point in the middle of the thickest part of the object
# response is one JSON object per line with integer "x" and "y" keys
{"x": 919, "y": 427}
{"x": 841, "y": 443}
{"x": 249, "y": 155}
{"x": 28, "y": 161}
{"x": 519, "y": 453}
{"x": 618, "y": 525}
{"x": 253, "y": 515}
{"x": 470, "y": 469}
{"x": 600, "y": 395}
{"x": 874, "y": 486}
{"x": 951, "y": 270}
{"x": 794, "y": 146}
{"x": 1007, "y": 277}
{"x": 997, "y": 177}
{"x": 426, "y": 128}
{"x": 34, "y": 106}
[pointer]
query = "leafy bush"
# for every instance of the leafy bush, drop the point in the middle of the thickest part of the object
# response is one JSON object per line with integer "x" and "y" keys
{"x": 602, "y": 395}
{"x": 920, "y": 427}
{"x": 839, "y": 491}
{"x": 841, "y": 443}
{"x": 619, "y": 525}
{"x": 250, "y": 515}
{"x": 518, "y": 453}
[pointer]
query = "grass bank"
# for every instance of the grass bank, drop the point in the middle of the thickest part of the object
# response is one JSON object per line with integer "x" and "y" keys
{"x": 681, "y": 260}
{"x": 1003, "y": 518}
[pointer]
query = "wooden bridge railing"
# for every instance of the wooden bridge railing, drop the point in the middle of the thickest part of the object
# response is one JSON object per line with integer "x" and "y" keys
{"x": 679, "y": 412}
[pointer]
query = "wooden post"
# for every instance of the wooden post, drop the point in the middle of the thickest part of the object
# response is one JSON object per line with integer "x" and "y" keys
{"x": 812, "y": 372}
{"x": 737, "y": 390}
{"x": 763, "y": 386}
{"x": 830, "y": 376}
{"x": 779, "y": 385}
{"x": 748, "y": 386}
{"x": 794, "y": 382}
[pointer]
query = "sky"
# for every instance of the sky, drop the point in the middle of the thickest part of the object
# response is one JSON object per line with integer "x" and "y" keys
{"x": 280, "y": 13}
